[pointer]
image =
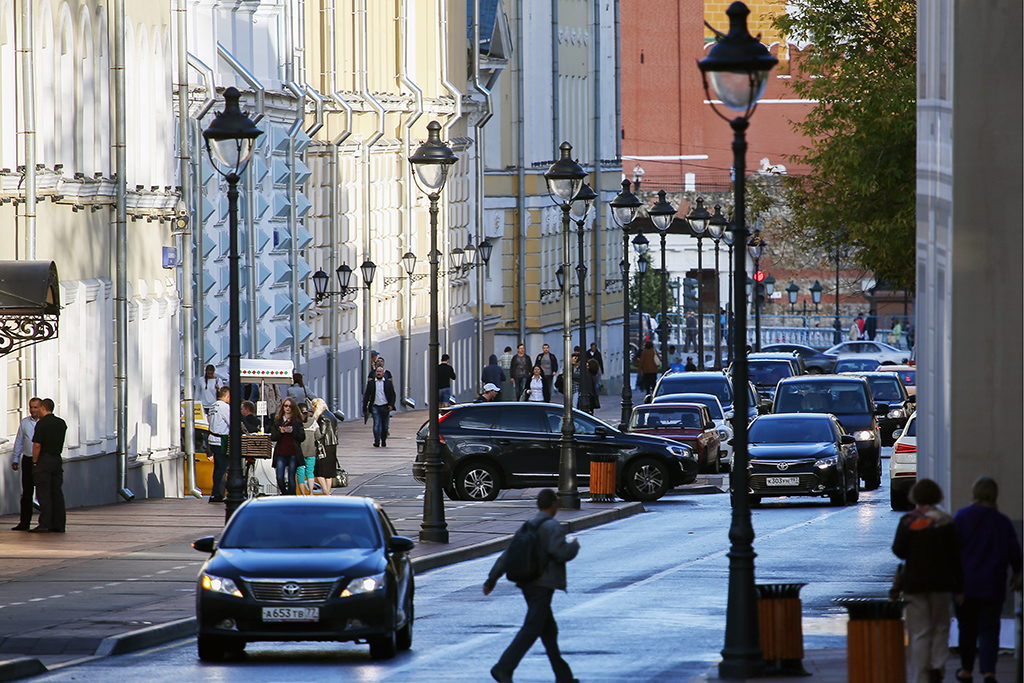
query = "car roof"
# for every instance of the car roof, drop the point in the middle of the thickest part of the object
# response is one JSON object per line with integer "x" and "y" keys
{"x": 826, "y": 379}
{"x": 769, "y": 359}
{"x": 896, "y": 368}
{"x": 696, "y": 375}
{"x": 311, "y": 501}
{"x": 692, "y": 395}
{"x": 772, "y": 417}
{"x": 671, "y": 404}
{"x": 781, "y": 355}
{"x": 874, "y": 373}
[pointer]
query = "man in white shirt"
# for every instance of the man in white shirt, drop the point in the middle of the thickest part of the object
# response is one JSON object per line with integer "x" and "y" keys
{"x": 207, "y": 388}
{"x": 23, "y": 461}
{"x": 220, "y": 428}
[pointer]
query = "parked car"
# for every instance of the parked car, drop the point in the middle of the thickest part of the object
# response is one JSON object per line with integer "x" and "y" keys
{"x": 907, "y": 374}
{"x": 688, "y": 423}
{"x": 794, "y": 359}
{"x": 487, "y": 447}
{"x": 296, "y": 568}
{"x": 884, "y": 353}
{"x": 714, "y": 407}
{"x": 849, "y": 399}
{"x": 802, "y": 455}
{"x": 903, "y": 466}
{"x": 716, "y": 383}
{"x": 817, "y": 363}
{"x": 856, "y": 364}
{"x": 891, "y": 396}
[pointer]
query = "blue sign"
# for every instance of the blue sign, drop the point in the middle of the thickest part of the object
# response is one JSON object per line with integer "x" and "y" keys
{"x": 170, "y": 257}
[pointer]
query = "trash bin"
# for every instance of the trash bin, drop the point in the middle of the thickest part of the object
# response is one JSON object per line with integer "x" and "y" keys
{"x": 874, "y": 640}
{"x": 602, "y": 478}
{"x": 782, "y": 635}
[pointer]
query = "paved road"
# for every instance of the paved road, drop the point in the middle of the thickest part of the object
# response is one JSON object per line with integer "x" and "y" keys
{"x": 647, "y": 603}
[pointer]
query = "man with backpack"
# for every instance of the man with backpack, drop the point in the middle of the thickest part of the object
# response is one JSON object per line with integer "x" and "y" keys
{"x": 535, "y": 562}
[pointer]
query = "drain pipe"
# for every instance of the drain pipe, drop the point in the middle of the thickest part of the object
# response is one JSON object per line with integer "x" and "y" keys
{"x": 121, "y": 246}
{"x": 293, "y": 214}
{"x": 555, "y": 101}
{"x": 478, "y": 135}
{"x": 364, "y": 91}
{"x": 403, "y": 78}
{"x": 618, "y": 95}
{"x": 521, "y": 211}
{"x": 442, "y": 43}
{"x": 29, "y": 114}
{"x": 598, "y": 226}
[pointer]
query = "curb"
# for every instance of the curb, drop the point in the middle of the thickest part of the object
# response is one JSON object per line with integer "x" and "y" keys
{"x": 146, "y": 637}
{"x": 22, "y": 667}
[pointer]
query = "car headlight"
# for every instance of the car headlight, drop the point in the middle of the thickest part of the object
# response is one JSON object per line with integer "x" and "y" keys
{"x": 681, "y": 452}
{"x": 219, "y": 585}
{"x": 864, "y": 435}
{"x": 723, "y": 434}
{"x": 730, "y": 414}
{"x": 826, "y": 463}
{"x": 364, "y": 584}
{"x": 896, "y": 414}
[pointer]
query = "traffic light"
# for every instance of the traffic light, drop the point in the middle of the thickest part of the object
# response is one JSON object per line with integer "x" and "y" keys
{"x": 689, "y": 294}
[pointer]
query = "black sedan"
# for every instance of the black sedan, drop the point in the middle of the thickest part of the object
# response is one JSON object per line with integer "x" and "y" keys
{"x": 817, "y": 363}
{"x": 297, "y": 568}
{"x": 487, "y": 447}
{"x": 892, "y": 402}
{"x": 802, "y": 455}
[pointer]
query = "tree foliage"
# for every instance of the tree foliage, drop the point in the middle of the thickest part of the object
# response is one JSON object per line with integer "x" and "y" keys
{"x": 651, "y": 295}
{"x": 860, "y": 68}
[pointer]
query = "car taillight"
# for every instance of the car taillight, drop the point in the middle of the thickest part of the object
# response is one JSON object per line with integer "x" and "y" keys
{"x": 905, "y": 448}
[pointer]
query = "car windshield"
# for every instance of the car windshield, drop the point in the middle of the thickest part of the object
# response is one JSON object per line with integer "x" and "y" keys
{"x": 677, "y": 384}
{"x": 795, "y": 430}
{"x": 768, "y": 373}
{"x": 713, "y": 406}
{"x": 885, "y": 388}
{"x": 856, "y": 365}
{"x": 838, "y": 398}
{"x": 301, "y": 526}
{"x": 666, "y": 418}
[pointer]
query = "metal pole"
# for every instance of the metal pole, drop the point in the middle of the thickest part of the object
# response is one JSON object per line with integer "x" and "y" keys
{"x": 235, "y": 483}
{"x": 742, "y": 655}
{"x": 700, "y": 302}
{"x": 730, "y": 318}
{"x": 664, "y": 307}
{"x": 627, "y": 387}
{"x": 837, "y": 336}
{"x": 581, "y": 278}
{"x": 755, "y": 291}
{"x": 718, "y": 315}
{"x": 433, "y": 529}
{"x": 568, "y": 494}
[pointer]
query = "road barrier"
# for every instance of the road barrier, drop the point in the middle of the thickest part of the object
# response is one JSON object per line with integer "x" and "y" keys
{"x": 782, "y": 637}
{"x": 874, "y": 640}
{"x": 602, "y": 478}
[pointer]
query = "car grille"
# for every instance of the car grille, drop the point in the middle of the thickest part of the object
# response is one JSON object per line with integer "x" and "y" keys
{"x": 285, "y": 590}
{"x": 758, "y": 482}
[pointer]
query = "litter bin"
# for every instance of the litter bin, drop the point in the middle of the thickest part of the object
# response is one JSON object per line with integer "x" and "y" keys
{"x": 782, "y": 635}
{"x": 874, "y": 640}
{"x": 602, "y": 478}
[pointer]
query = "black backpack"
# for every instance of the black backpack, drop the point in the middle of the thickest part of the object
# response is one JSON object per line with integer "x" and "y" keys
{"x": 526, "y": 559}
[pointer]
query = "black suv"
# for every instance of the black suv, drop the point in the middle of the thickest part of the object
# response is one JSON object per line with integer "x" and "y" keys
{"x": 715, "y": 383}
{"x": 487, "y": 447}
{"x": 849, "y": 399}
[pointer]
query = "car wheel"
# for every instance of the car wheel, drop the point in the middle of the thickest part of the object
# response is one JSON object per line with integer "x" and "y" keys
{"x": 477, "y": 481}
{"x": 754, "y": 500}
{"x": 646, "y": 479}
{"x": 814, "y": 371}
{"x": 838, "y": 499}
{"x": 384, "y": 647}
{"x": 403, "y": 639}
{"x": 898, "y": 500}
{"x": 449, "y": 490}
{"x": 212, "y": 648}
{"x": 718, "y": 463}
{"x": 874, "y": 478}
{"x": 853, "y": 493}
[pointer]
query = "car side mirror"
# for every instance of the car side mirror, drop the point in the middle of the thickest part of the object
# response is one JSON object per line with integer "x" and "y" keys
{"x": 648, "y": 399}
{"x": 400, "y": 544}
{"x": 912, "y": 398}
{"x": 601, "y": 431}
{"x": 897, "y": 434}
{"x": 709, "y": 425}
{"x": 206, "y": 544}
{"x": 847, "y": 440}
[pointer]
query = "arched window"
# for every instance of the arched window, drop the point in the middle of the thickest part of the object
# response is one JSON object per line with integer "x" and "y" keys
{"x": 46, "y": 122}
{"x": 67, "y": 101}
{"x": 86, "y": 98}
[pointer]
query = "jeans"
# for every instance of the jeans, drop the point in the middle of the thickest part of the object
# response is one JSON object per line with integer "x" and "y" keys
{"x": 285, "y": 468}
{"x": 27, "y": 488}
{"x": 220, "y": 467}
{"x": 539, "y": 623}
{"x": 978, "y": 621}
{"x": 48, "y": 474}
{"x": 520, "y": 386}
{"x": 381, "y": 423}
{"x": 444, "y": 396}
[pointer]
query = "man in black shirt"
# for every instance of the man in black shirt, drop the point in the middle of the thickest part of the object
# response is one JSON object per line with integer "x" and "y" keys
{"x": 48, "y": 469}
{"x": 445, "y": 375}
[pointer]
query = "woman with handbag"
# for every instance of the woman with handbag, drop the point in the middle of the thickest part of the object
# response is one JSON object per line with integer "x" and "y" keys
{"x": 537, "y": 389}
{"x": 287, "y": 434}
{"x": 326, "y": 440}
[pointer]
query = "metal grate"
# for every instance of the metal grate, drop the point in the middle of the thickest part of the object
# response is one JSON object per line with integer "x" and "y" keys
{"x": 284, "y": 590}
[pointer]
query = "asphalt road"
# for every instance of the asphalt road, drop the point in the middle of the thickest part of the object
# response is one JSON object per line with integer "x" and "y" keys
{"x": 646, "y": 602}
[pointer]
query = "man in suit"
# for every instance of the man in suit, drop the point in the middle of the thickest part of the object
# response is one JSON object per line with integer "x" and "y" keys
{"x": 378, "y": 402}
{"x": 48, "y": 469}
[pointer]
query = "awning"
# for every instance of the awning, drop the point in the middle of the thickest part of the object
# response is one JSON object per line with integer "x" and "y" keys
{"x": 29, "y": 303}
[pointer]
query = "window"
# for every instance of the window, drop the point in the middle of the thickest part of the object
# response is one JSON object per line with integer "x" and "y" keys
{"x": 522, "y": 421}
{"x": 473, "y": 419}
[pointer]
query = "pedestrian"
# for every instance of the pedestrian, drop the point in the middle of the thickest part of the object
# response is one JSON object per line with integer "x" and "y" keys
{"x": 250, "y": 423}
{"x": 378, "y": 402}
{"x": 521, "y": 368}
{"x": 287, "y": 434}
{"x": 539, "y": 621}
{"x": 493, "y": 374}
{"x": 648, "y": 366}
{"x": 23, "y": 461}
{"x": 855, "y": 330}
{"x": 896, "y": 333}
{"x": 862, "y": 325}
{"x": 593, "y": 372}
{"x": 378, "y": 362}
{"x": 489, "y": 394}
{"x": 926, "y": 539}
{"x": 690, "y": 367}
{"x": 48, "y": 469}
{"x": 988, "y": 547}
{"x": 575, "y": 371}
{"x": 207, "y": 387}
{"x": 220, "y": 429}
{"x": 910, "y": 334}
{"x": 305, "y": 464}
{"x": 505, "y": 363}
{"x": 594, "y": 354}
{"x": 326, "y": 446}
{"x": 538, "y": 390}
{"x": 723, "y": 323}
{"x": 445, "y": 375}
{"x": 871, "y": 324}
{"x": 302, "y": 396}
{"x": 548, "y": 364}
{"x": 691, "y": 332}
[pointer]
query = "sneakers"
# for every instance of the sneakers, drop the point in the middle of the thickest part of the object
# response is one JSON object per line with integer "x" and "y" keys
{"x": 39, "y": 530}
{"x": 376, "y": 444}
{"x": 501, "y": 676}
{"x": 20, "y": 527}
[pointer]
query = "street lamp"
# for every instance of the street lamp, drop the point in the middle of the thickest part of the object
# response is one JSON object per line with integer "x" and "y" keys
{"x": 579, "y": 210}
{"x": 756, "y": 247}
{"x": 624, "y": 208}
{"x": 792, "y": 291}
{"x": 717, "y": 228}
{"x": 661, "y": 215}
{"x": 816, "y": 295}
{"x": 640, "y": 245}
{"x": 565, "y": 178}
{"x": 431, "y": 163}
{"x": 837, "y": 334}
{"x": 229, "y": 142}
{"x": 729, "y": 238}
{"x": 699, "y": 219}
{"x": 737, "y": 66}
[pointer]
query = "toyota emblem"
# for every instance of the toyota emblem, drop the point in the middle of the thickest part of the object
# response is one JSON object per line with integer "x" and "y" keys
{"x": 291, "y": 590}
{"x": 783, "y": 466}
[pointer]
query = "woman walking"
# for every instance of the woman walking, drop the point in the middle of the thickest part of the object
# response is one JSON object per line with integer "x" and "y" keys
{"x": 648, "y": 366}
{"x": 537, "y": 390}
{"x": 326, "y": 437}
{"x": 287, "y": 434}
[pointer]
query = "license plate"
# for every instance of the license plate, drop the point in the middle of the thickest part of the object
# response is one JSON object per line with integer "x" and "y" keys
{"x": 783, "y": 481}
{"x": 291, "y": 614}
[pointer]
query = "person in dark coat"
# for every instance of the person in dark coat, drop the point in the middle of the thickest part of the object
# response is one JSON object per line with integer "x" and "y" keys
{"x": 287, "y": 434}
{"x": 521, "y": 368}
{"x": 378, "y": 401}
{"x": 445, "y": 375}
{"x": 493, "y": 374}
{"x": 871, "y": 324}
{"x": 539, "y": 622}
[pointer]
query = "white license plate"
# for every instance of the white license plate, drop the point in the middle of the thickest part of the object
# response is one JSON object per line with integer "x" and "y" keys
{"x": 291, "y": 614}
{"x": 783, "y": 481}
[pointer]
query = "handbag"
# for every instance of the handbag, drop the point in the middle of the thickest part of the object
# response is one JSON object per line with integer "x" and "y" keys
{"x": 321, "y": 451}
{"x": 897, "y": 583}
{"x": 340, "y": 479}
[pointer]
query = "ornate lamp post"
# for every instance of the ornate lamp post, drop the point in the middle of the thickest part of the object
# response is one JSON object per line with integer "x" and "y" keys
{"x": 579, "y": 210}
{"x": 640, "y": 244}
{"x": 624, "y": 208}
{"x": 737, "y": 69}
{"x": 699, "y": 219}
{"x": 717, "y": 227}
{"x": 661, "y": 215}
{"x": 565, "y": 178}
{"x": 729, "y": 238}
{"x": 756, "y": 247}
{"x": 229, "y": 142}
{"x": 816, "y": 295}
{"x": 431, "y": 163}
{"x": 792, "y": 291}
{"x": 837, "y": 334}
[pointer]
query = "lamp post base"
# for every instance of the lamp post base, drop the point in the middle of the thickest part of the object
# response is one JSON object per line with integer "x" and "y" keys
{"x": 568, "y": 500}
{"x": 741, "y": 666}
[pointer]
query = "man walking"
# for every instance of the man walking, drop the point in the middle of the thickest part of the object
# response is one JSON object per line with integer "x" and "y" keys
{"x": 539, "y": 622}
{"x": 691, "y": 333}
{"x": 379, "y": 401}
{"x": 445, "y": 375}
{"x": 507, "y": 388}
{"x": 520, "y": 368}
{"x": 548, "y": 366}
{"x": 594, "y": 354}
{"x": 220, "y": 428}
{"x": 23, "y": 461}
{"x": 493, "y": 374}
{"x": 48, "y": 469}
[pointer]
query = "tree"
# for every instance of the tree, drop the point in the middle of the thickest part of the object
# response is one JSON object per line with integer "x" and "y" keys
{"x": 861, "y": 69}
{"x": 652, "y": 290}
